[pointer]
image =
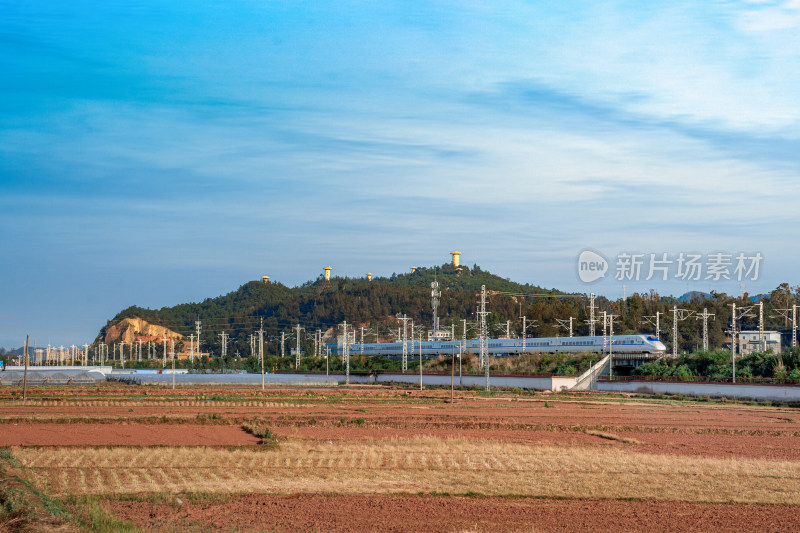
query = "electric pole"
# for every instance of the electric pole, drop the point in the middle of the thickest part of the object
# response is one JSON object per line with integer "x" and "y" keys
{"x": 197, "y": 326}
{"x": 605, "y": 337}
{"x": 261, "y": 350}
{"x": 785, "y": 314}
{"x": 224, "y": 337}
{"x": 743, "y": 312}
{"x": 705, "y": 316}
{"x": 484, "y": 339}
{"x": 346, "y": 353}
{"x": 610, "y": 318}
{"x": 172, "y": 354}
{"x": 435, "y": 294}
{"x": 297, "y": 349}
{"x": 677, "y": 315}
{"x": 566, "y": 324}
{"x": 405, "y": 320}
{"x": 591, "y": 315}
{"x": 656, "y": 323}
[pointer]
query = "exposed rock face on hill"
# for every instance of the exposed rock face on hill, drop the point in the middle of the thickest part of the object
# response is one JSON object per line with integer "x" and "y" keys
{"x": 128, "y": 330}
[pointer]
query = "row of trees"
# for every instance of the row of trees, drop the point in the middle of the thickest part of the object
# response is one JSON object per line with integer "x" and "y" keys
{"x": 717, "y": 364}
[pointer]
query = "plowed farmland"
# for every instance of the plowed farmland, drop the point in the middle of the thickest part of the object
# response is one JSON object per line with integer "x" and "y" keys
{"x": 150, "y": 459}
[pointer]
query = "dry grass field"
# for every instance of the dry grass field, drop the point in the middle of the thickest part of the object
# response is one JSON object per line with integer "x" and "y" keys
{"x": 149, "y": 459}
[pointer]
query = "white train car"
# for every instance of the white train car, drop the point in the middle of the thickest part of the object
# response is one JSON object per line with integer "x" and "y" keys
{"x": 618, "y": 344}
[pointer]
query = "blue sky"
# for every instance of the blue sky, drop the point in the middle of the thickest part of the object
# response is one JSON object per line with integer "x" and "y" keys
{"x": 153, "y": 153}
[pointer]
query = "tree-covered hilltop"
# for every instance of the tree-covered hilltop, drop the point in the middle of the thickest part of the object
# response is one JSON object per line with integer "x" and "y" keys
{"x": 374, "y": 305}
{"x": 323, "y": 304}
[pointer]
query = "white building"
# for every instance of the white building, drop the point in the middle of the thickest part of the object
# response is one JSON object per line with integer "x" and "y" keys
{"x": 750, "y": 341}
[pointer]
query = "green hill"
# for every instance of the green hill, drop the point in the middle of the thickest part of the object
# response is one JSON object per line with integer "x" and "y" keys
{"x": 322, "y": 304}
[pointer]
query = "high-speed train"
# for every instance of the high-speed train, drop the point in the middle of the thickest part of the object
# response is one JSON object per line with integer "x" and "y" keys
{"x": 617, "y": 344}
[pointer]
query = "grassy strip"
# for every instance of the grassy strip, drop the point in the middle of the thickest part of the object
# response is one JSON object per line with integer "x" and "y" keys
{"x": 22, "y": 506}
{"x": 90, "y": 515}
{"x": 262, "y": 432}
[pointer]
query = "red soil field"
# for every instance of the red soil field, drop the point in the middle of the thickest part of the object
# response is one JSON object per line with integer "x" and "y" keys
{"x": 314, "y": 512}
{"x": 123, "y": 434}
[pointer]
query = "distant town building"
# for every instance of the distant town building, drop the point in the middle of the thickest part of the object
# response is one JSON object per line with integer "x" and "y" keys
{"x": 750, "y": 341}
{"x": 265, "y": 279}
{"x": 439, "y": 335}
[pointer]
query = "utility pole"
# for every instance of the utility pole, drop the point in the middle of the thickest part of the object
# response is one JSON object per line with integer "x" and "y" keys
{"x": 605, "y": 338}
{"x": 785, "y": 314}
{"x": 733, "y": 341}
{"x": 164, "y": 340}
{"x": 405, "y": 320}
{"x": 677, "y": 315}
{"x": 464, "y": 338}
{"x": 261, "y": 350}
{"x": 435, "y": 294}
{"x": 25, "y": 374}
{"x": 297, "y": 349}
{"x": 283, "y": 346}
{"x": 761, "y": 338}
{"x": 420, "y": 358}
{"x": 346, "y": 353}
{"x": 524, "y": 332}
{"x": 508, "y": 329}
{"x": 224, "y": 336}
{"x": 85, "y": 355}
{"x": 566, "y": 324}
{"x": 484, "y": 338}
{"x": 591, "y": 315}
{"x": 674, "y": 331}
{"x": 705, "y": 316}
{"x": 172, "y": 355}
{"x": 656, "y": 323}
{"x": 122, "y": 353}
{"x": 197, "y": 329}
{"x": 362, "y": 340}
{"x": 610, "y": 318}
{"x": 735, "y": 316}
{"x": 191, "y": 348}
